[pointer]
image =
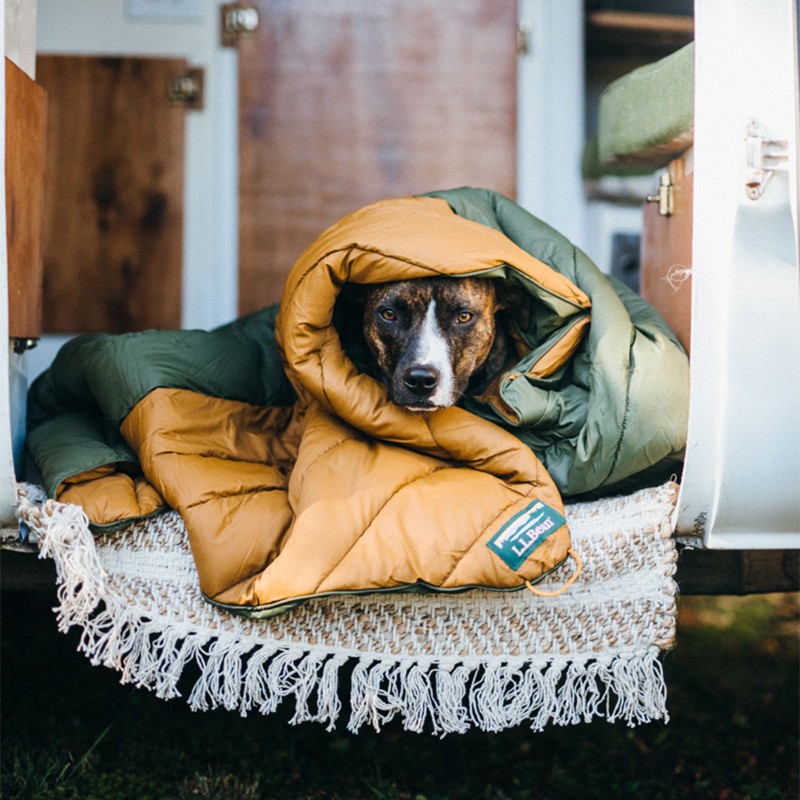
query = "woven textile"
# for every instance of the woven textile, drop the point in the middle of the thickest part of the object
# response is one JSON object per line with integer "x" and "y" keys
{"x": 439, "y": 663}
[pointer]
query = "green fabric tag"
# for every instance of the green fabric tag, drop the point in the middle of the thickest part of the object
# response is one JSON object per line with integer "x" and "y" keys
{"x": 524, "y": 532}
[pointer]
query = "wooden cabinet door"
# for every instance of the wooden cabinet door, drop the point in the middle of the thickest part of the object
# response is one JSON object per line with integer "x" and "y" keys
{"x": 344, "y": 102}
{"x": 113, "y": 214}
{"x": 666, "y": 257}
{"x": 25, "y": 136}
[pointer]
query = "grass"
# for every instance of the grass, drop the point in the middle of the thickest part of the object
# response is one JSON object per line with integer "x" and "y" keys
{"x": 70, "y": 730}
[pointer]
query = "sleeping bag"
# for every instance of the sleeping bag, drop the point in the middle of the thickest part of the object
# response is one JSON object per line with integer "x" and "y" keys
{"x": 297, "y": 477}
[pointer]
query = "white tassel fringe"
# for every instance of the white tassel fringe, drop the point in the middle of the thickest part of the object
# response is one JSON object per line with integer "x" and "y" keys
{"x": 443, "y": 696}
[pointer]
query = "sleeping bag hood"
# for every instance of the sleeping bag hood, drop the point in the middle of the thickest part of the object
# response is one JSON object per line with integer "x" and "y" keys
{"x": 297, "y": 477}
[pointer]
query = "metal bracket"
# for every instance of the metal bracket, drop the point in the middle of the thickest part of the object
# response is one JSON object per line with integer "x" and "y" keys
{"x": 765, "y": 157}
{"x": 665, "y": 197}
{"x": 187, "y": 88}
{"x": 237, "y": 20}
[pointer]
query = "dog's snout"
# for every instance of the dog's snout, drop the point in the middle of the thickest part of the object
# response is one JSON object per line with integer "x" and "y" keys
{"x": 421, "y": 379}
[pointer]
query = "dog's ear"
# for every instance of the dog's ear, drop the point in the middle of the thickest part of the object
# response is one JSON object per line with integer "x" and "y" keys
{"x": 353, "y": 296}
{"x": 348, "y": 316}
{"x": 350, "y": 305}
{"x": 349, "y": 311}
{"x": 509, "y": 295}
{"x": 513, "y": 301}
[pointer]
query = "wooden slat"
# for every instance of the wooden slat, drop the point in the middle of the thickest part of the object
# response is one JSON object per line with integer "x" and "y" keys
{"x": 113, "y": 194}
{"x": 643, "y": 23}
{"x": 350, "y": 101}
{"x": 25, "y": 155}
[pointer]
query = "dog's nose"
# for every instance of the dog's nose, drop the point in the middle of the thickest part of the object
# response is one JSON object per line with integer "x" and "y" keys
{"x": 421, "y": 379}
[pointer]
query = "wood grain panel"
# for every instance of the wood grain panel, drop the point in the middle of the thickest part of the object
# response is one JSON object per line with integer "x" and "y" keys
{"x": 26, "y": 106}
{"x": 113, "y": 194}
{"x": 666, "y": 257}
{"x": 350, "y": 101}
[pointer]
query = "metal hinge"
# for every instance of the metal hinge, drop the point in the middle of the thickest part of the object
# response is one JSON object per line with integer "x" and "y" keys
{"x": 23, "y": 343}
{"x": 665, "y": 196}
{"x": 765, "y": 157}
{"x": 187, "y": 88}
{"x": 237, "y": 20}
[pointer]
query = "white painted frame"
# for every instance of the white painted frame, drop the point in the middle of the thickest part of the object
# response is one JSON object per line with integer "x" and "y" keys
{"x": 551, "y": 127}
{"x": 7, "y": 484}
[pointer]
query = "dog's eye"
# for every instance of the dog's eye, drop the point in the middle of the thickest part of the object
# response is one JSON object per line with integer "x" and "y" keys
{"x": 464, "y": 316}
{"x": 389, "y": 314}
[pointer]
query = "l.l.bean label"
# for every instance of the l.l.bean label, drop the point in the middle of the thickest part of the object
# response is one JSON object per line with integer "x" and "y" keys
{"x": 524, "y": 532}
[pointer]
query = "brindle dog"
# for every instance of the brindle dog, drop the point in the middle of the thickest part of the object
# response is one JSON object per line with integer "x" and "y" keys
{"x": 435, "y": 338}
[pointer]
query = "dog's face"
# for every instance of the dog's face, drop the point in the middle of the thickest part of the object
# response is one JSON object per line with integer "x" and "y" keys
{"x": 430, "y": 336}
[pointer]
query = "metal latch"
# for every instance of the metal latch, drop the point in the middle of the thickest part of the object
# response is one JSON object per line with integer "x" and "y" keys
{"x": 237, "y": 20}
{"x": 665, "y": 196}
{"x": 765, "y": 157}
{"x": 186, "y": 89}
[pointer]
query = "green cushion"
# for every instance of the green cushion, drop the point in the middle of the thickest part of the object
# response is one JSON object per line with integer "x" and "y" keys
{"x": 647, "y": 116}
{"x": 592, "y": 169}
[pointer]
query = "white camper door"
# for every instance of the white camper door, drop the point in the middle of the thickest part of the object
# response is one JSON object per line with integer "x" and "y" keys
{"x": 741, "y": 484}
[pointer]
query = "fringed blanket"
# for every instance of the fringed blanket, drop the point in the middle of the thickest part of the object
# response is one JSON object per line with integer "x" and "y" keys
{"x": 439, "y": 663}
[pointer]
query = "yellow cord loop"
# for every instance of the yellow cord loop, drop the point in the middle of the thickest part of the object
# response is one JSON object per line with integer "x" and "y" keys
{"x": 557, "y": 592}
